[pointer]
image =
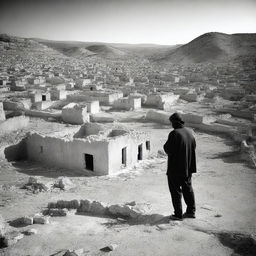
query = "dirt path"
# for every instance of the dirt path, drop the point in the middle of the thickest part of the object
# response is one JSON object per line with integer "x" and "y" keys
{"x": 225, "y": 194}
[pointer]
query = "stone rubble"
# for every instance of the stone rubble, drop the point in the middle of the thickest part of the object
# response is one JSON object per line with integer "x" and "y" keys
{"x": 109, "y": 248}
{"x": 30, "y": 232}
{"x": 39, "y": 219}
{"x": 64, "y": 183}
{"x": 12, "y": 238}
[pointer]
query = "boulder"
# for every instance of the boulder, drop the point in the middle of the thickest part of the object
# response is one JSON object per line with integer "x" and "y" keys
{"x": 64, "y": 183}
{"x": 32, "y": 180}
{"x": 57, "y": 212}
{"x": 85, "y": 206}
{"x": 77, "y": 252}
{"x": 30, "y": 232}
{"x": 26, "y": 220}
{"x": 98, "y": 208}
{"x": 109, "y": 248}
{"x": 12, "y": 238}
{"x": 39, "y": 219}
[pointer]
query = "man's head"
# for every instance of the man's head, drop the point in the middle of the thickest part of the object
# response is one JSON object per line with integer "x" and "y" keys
{"x": 176, "y": 120}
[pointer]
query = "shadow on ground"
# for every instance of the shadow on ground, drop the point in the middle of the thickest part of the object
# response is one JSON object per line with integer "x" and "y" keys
{"x": 33, "y": 169}
{"x": 150, "y": 219}
{"x": 242, "y": 244}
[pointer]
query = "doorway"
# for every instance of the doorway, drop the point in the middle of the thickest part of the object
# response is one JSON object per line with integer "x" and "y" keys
{"x": 124, "y": 152}
{"x": 88, "y": 161}
{"x": 140, "y": 152}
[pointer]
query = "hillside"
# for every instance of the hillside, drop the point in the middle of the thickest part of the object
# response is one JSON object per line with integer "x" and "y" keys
{"x": 213, "y": 47}
{"x": 106, "y": 51}
{"x": 12, "y": 48}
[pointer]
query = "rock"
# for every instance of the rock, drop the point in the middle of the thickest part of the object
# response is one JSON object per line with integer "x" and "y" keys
{"x": 38, "y": 219}
{"x": 161, "y": 153}
{"x": 78, "y": 252}
{"x": 133, "y": 203}
{"x": 73, "y": 204}
{"x": 142, "y": 208}
{"x": 32, "y": 180}
{"x": 30, "y": 232}
{"x": 109, "y": 248}
{"x": 119, "y": 210}
{"x": 52, "y": 205}
{"x": 98, "y": 208}
{"x": 85, "y": 206}
{"x": 57, "y": 212}
{"x": 64, "y": 183}
{"x": 12, "y": 238}
{"x": 26, "y": 220}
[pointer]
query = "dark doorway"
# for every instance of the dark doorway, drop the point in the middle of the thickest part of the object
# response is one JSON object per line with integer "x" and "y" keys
{"x": 43, "y": 97}
{"x": 147, "y": 145}
{"x": 88, "y": 161}
{"x": 140, "y": 152}
{"x": 124, "y": 156}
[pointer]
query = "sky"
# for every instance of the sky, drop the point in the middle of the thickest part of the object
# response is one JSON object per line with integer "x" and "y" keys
{"x": 166, "y": 22}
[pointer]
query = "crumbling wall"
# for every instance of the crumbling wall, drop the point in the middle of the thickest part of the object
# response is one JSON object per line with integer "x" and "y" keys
{"x": 158, "y": 116}
{"x": 16, "y": 152}
{"x": 42, "y": 114}
{"x": 135, "y": 102}
{"x": 197, "y": 119}
{"x": 68, "y": 154}
{"x": 161, "y": 101}
{"x": 89, "y": 129}
{"x": 93, "y": 107}
{"x": 75, "y": 114}
{"x": 58, "y": 94}
{"x": 43, "y": 105}
{"x": 191, "y": 97}
{"x": 12, "y": 105}
{"x": 13, "y": 124}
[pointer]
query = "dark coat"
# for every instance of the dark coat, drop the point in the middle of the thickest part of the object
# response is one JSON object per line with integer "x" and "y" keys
{"x": 180, "y": 148}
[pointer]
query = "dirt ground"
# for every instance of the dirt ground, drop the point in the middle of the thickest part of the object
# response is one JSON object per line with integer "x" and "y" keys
{"x": 224, "y": 188}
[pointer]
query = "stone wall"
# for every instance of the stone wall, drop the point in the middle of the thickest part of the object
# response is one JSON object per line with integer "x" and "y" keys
{"x": 93, "y": 107}
{"x": 107, "y": 150}
{"x": 68, "y": 154}
{"x": 130, "y": 145}
{"x": 13, "y": 124}
{"x": 75, "y": 114}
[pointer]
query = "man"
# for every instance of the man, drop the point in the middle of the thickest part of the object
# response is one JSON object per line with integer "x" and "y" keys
{"x": 180, "y": 148}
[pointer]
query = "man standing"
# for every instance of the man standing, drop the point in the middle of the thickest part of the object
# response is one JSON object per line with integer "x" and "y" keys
{"x": 180, "y": 148}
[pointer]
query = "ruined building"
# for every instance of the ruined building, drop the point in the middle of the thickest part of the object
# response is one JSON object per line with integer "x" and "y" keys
{"x": 94, "y": 148}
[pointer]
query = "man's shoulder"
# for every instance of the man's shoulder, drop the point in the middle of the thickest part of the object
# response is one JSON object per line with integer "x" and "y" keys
{"x": 185, "y": 130}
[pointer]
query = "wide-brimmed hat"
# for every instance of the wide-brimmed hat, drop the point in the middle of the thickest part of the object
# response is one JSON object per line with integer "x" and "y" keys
{"x": 176, "y": 118}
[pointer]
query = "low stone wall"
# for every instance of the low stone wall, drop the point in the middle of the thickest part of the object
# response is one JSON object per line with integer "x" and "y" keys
{"x": 163, "y": 117}
{"x": 193, "y": 121}
{"x": 158, "y": 116}
{"x": 13, "y": 124}
{"x": 42, "y": 114}
{"x": 246, "y": 114}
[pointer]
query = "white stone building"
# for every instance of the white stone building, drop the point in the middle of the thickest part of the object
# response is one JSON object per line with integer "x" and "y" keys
{"x": 94, "y": 149}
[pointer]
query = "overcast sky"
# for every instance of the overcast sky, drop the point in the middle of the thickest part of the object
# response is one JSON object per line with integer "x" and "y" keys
{"x": 126, "y": 21}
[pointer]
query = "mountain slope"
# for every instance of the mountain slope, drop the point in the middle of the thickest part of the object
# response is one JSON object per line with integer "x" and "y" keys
{"x": 213, "y": 47}
{"x": 106, "y": 51}
{"x": 24, "y": 47}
